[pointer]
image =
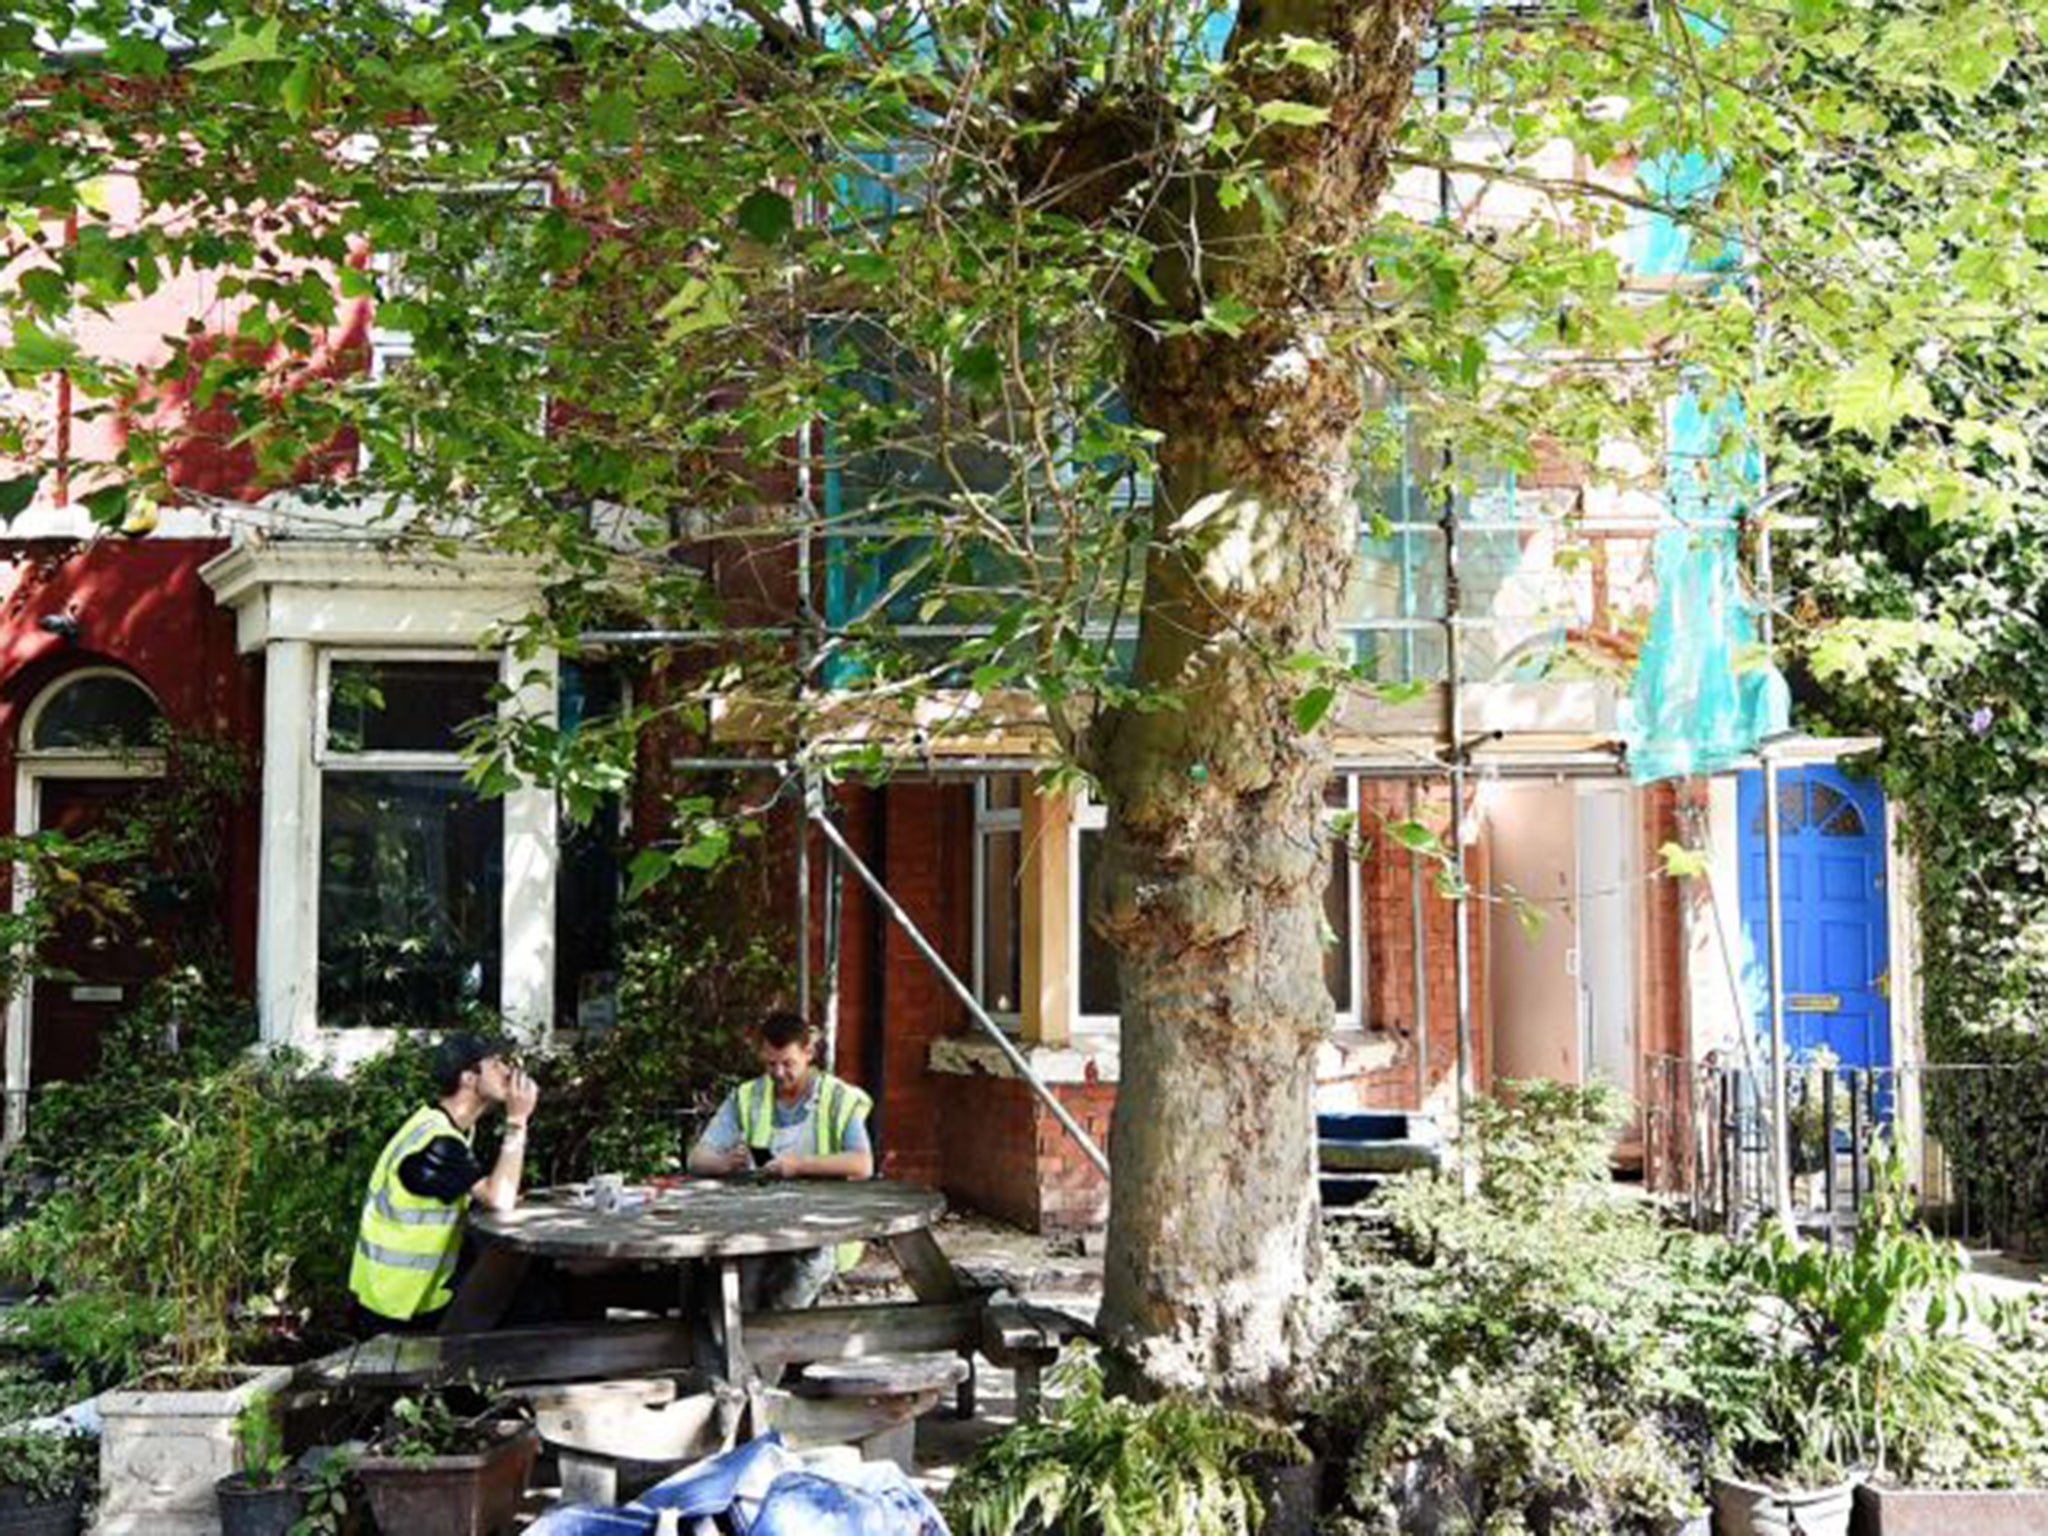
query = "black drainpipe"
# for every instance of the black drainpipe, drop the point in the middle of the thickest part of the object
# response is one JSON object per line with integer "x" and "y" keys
{"x": 872, "y": 1054}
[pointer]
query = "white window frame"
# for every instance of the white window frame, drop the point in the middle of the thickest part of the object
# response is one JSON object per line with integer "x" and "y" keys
{"x": 327, "y": 760}
{"x": 988, "y": 820}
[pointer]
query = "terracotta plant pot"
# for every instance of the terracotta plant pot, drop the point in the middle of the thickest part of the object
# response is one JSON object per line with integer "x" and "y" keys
{"x": 1882, "y": 1511}
{"x": 21, "y": 1515}
{"x": 1752, "y": 1509}
{"x": 250, "y": 1508}
{"x": 472, "y": 1495}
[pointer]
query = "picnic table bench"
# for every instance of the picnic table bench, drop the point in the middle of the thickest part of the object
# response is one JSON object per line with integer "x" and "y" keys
{"x": 879, "y": 1365}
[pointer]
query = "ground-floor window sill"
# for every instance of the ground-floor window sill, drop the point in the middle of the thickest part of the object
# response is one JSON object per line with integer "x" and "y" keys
{"x": 1083, "y": 1062}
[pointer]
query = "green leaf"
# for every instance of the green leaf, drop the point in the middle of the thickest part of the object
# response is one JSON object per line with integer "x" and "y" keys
{"x": 767, "y": 216}
{"x": 1681, "y": 862}
{"x": 45, "y": 289}
{"x": 15, "y": 496}
{"x": 1312, "y": 706}
{"x": 708, "y": 848}
{"x": 296, "y": 91}
{"x": 108, "y": 506}
{"x": 1415, "y": 837}
{"x": 614, "y": 117}
{"x": 248, "y": 45}
{"x": 1293, "y": 114}
{"x": 1310, "y": 53}
{"x": 649, "y": 868}
{"x": 35, "y": 350}
{"x": 1872, "y": 398}
{"x": 1229, "y": 315}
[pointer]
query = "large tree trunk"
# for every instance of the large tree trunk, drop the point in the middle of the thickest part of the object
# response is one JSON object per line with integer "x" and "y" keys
{"x": 1216, "y": 849}
{"x": 1217, "y": 856}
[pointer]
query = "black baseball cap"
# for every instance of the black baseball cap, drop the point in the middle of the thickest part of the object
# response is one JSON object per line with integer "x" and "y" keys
{"x": 458, "y": 1052}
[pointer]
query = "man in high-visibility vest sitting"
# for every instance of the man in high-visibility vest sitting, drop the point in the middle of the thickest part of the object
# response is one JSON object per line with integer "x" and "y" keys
{"x": 792, "y": 1122}
{"x": 426, "y": 1177}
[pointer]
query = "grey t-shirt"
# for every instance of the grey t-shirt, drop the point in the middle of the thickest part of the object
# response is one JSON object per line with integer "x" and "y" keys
{"x": 792, "y": 1132}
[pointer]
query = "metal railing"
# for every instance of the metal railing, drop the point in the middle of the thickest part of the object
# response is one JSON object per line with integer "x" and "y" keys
{"x": 1972, "y": 1139}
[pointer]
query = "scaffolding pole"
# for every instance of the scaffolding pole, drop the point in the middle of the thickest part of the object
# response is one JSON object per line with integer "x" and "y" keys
{"x": 1456, "y": 767}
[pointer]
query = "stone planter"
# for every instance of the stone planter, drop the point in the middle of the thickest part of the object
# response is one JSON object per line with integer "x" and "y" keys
{"x": 1882, "y": 1511}
{"x": 1752, "y": 1509}
{"x": 473, "y": 1495}
{"x": 161, "y": 1452}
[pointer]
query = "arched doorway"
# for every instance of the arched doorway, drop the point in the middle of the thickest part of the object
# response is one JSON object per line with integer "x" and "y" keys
{"x": 1833, "y": 886}
{"x": 89, "y": 748}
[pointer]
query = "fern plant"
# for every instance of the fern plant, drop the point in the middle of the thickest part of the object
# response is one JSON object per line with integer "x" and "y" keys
{"x": 1103, "y": 1466}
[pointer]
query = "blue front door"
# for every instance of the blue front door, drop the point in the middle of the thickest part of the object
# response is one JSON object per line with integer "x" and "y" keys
{"x": 1832, "y": 885}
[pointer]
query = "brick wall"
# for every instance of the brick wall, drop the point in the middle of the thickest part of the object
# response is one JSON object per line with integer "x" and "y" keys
{"x": 1426, "y": 1076}
{"x": 1005, "y": 1153}
{"x": 143, "y": 609}
{"x": 917, "y": 835}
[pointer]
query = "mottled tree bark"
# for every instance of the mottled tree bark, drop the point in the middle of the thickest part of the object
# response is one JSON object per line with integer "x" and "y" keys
{"x": 1212, "y": 888}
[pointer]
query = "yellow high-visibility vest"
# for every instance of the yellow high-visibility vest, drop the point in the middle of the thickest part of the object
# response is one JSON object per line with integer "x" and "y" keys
{"x": 407, "y": 1244}
{"x": 838, "y": 1103}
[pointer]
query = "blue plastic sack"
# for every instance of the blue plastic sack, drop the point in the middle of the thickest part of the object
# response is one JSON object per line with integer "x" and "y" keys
{"x": 740, "y": 1477}
{"x": 881, "y": 1503}
{"x": 757, "y": 1489}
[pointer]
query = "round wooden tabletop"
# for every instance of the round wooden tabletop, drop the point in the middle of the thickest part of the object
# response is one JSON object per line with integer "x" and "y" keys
{"x": 713, "y": 1218}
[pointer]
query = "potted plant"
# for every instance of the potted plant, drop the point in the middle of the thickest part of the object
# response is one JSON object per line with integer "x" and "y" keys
{"x": 454, "y": 1462}
{"x": 1866, "y": 1366}
{"x": 262, "y": 1499}
{"x": 45, "y": 1479}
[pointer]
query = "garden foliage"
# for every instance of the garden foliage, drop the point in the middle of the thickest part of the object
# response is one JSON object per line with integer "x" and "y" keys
{"x": 1545, "y": 1354}
{"x": 1540, "y": 1355}
{"x": 1101, "y": 1466}
{"x": 1923, "y": 608}
{"x": 202, "y": 1190}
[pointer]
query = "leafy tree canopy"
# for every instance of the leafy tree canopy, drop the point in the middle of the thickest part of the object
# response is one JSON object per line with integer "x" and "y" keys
{"x": 1104, "y": 309}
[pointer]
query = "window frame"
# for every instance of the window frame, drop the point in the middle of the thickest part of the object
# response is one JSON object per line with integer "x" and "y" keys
{"x": 452, "y": 764}
{"x": 1091, "y": 816}
{"x": 27, "y": 750}
{"x": 990, "y": 820}
{"x": 327, "y": 758}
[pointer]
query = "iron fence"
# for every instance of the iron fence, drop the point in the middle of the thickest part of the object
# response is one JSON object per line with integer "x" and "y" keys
{"x": 1972, "y": 1140}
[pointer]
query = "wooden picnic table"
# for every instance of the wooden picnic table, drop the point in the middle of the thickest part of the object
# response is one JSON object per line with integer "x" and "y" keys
{"x": 706, "y": 1227}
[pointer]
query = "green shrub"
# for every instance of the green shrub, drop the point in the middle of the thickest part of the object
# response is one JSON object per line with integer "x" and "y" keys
{"x": 628, "y": 1099}
{"x": 49, "y": 1466}
{"x": 232, "y": 1194}
{"x": 1099, "y": 1466}
{"x": 1538, "y": 1355}
{"x": 102, "y": 1338}
{"x": 1870, "y": 1367}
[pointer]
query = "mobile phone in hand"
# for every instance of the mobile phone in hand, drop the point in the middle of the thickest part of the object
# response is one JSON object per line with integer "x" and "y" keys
{"x": 762, "y": 1156}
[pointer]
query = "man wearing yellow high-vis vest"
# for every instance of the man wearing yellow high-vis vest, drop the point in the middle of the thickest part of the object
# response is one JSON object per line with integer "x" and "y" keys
{"x": 792, "y": 1122}
{"x": 410, "y": 1238}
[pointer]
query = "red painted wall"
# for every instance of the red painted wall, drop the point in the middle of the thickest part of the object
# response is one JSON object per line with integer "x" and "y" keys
{"x": 140, "y": 607}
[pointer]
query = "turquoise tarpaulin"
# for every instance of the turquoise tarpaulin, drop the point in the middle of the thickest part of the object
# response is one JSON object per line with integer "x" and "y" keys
{"x": 1704, "y": 693}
